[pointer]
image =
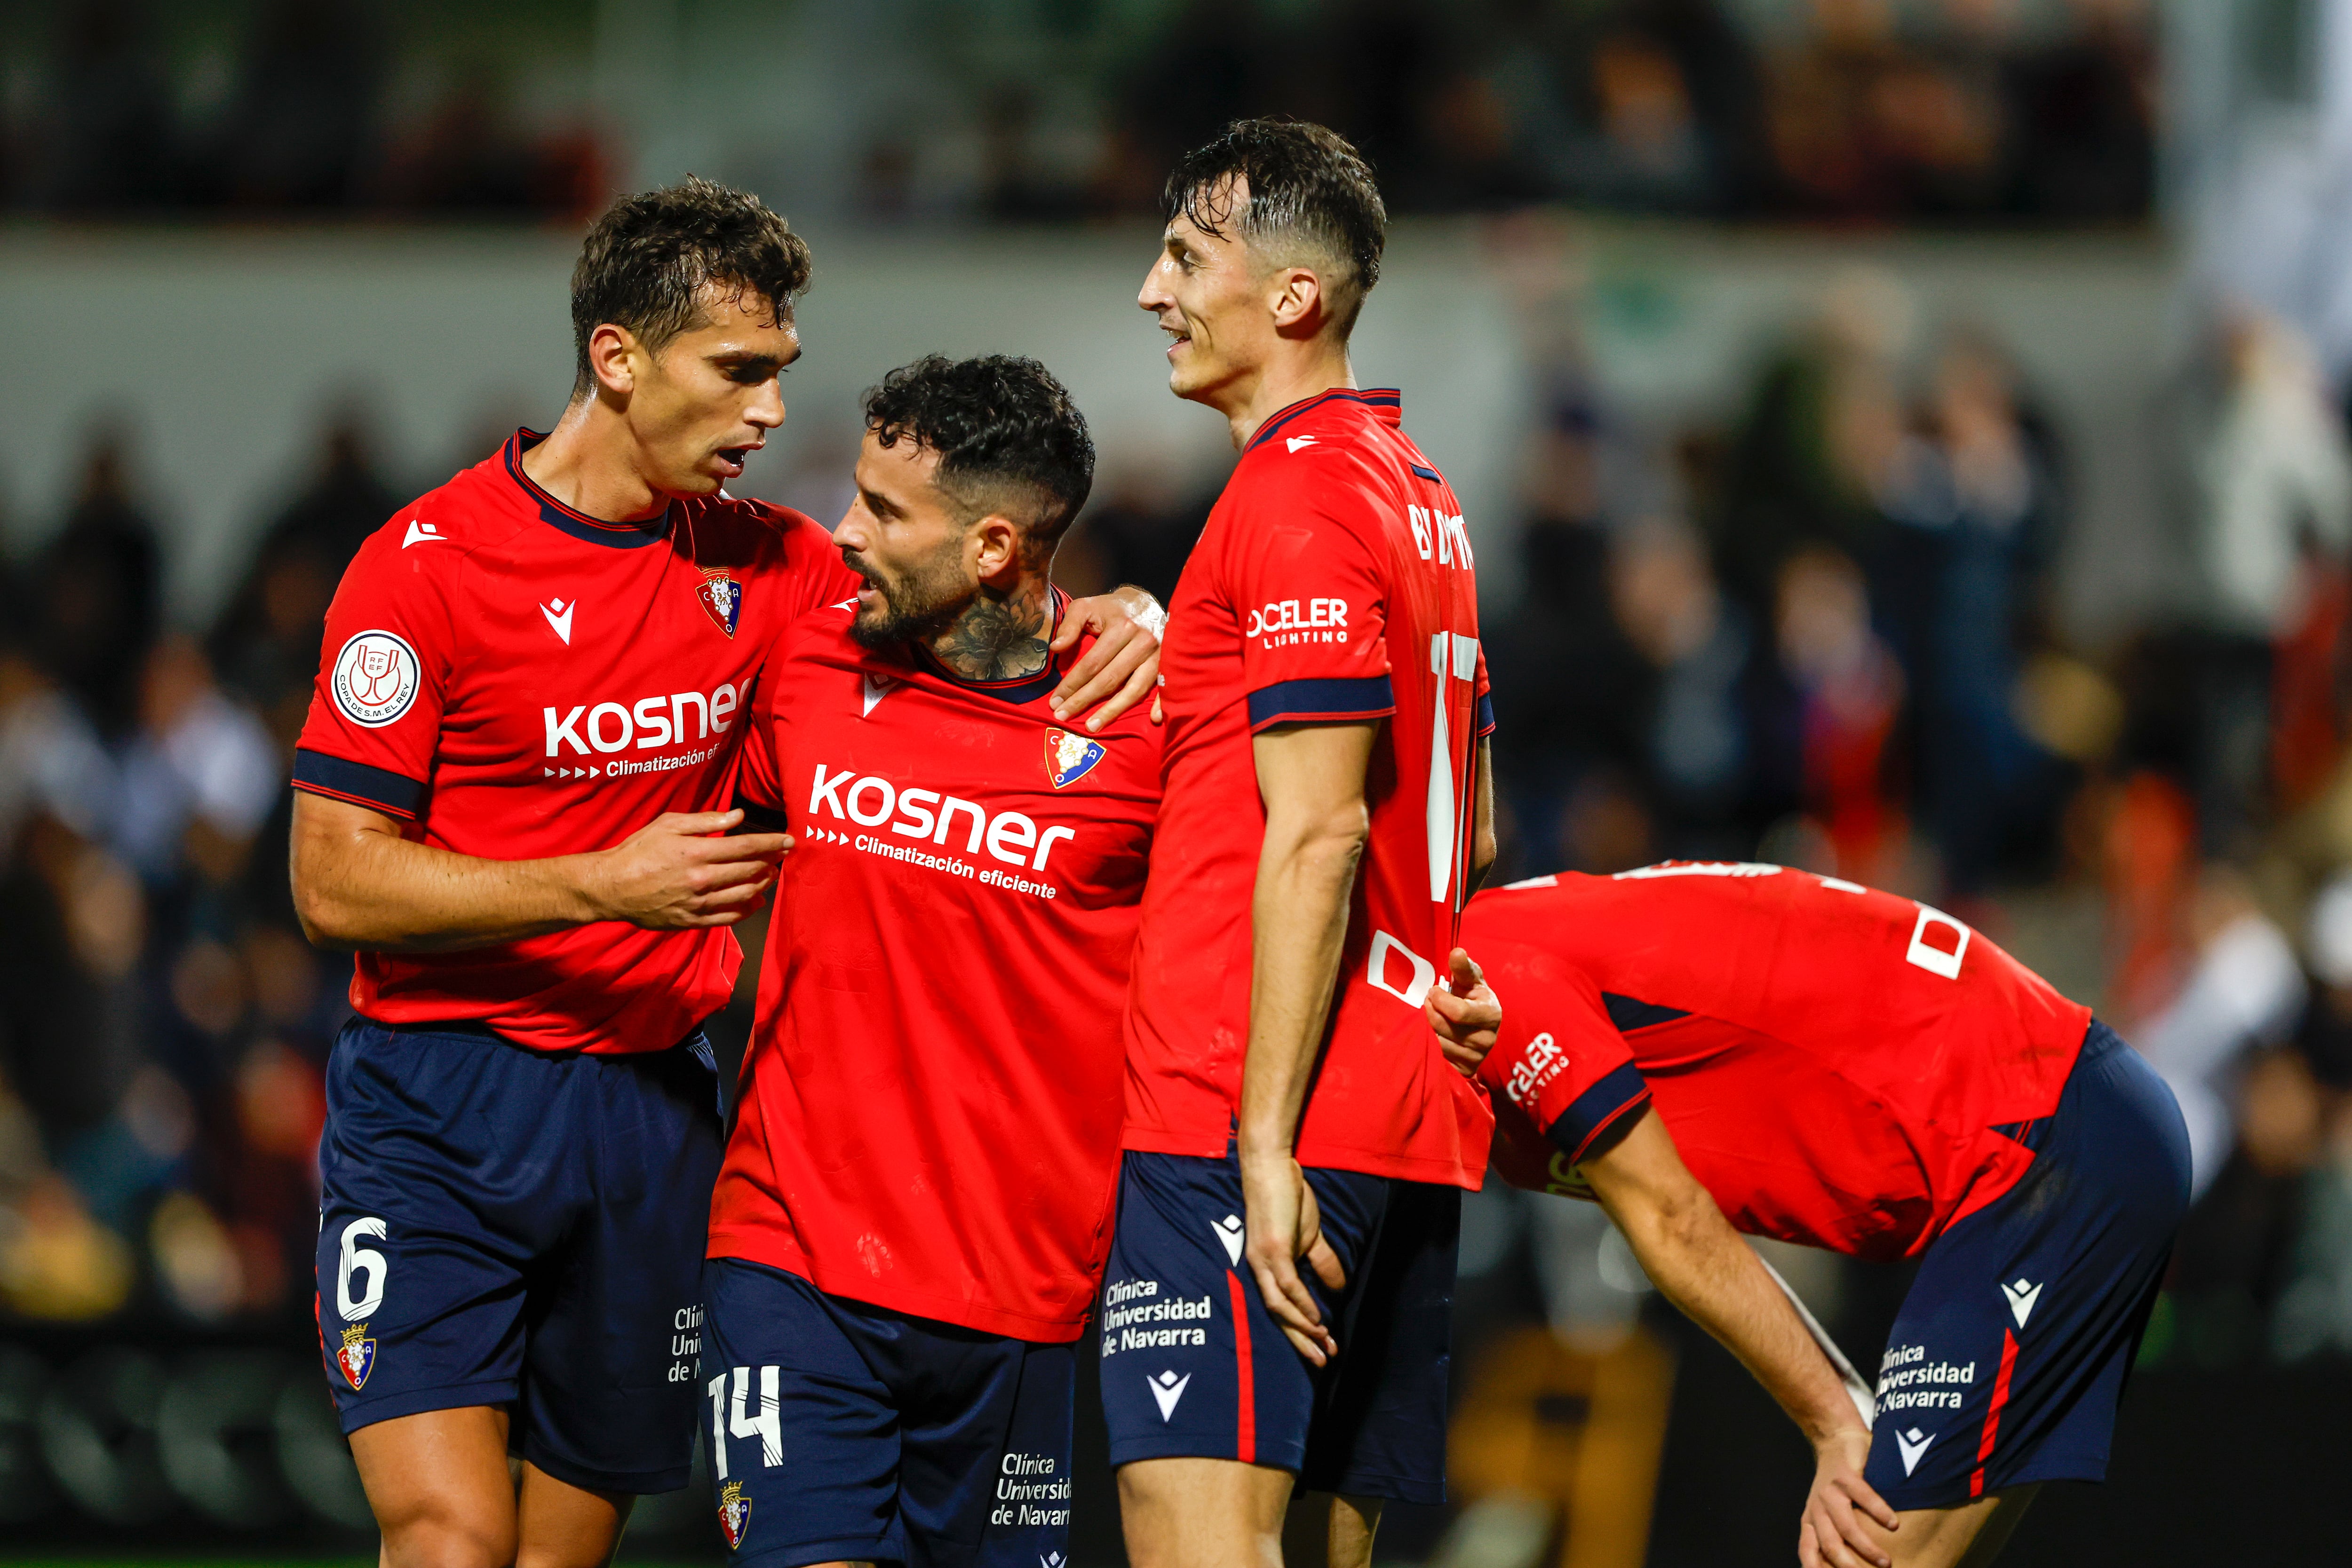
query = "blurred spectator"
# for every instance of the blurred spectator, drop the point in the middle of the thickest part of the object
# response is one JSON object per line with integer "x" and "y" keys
{"x": 2243, "y": 994}
{"x": 1709, "y": 776}
{"x": 198, "y": 779}
{"x": 1973, "y": 501}
{"x": 98, "y": 593}
{"x": 267, "y": 641}
{"x": 2271, "y": 486}
{"x": 1849, "y": 691}
{"x": 1823, "y": 422}
{"x": 1142, "y": 525}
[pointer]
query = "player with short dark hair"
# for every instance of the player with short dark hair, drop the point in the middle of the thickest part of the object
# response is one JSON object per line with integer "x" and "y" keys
{"x": 1327, "y": 808}
{"x": 1852, "y": 1070}
{"x": 512, "y": 787}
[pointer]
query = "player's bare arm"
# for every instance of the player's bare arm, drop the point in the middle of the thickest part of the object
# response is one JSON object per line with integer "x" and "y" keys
{"x": 1692, "y": 1254}
{"x": 1311, "y": 778}
{"x": 358, "y": 884}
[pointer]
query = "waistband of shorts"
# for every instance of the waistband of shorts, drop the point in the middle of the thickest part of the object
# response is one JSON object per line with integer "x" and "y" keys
{"x": 474, "y": 1030}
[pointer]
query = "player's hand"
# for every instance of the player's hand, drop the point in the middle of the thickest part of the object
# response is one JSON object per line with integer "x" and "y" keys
{"x": 1283, "y": 1225}
{"x": 1834, "y": 1533}
{"x": 1465, "y": 1014}
{"x": 678, "y": 873}
{"x": 1122, "y": 666}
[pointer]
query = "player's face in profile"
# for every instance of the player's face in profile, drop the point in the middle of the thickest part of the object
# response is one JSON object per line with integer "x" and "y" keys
{"x": 708, "y": 401}
{"x": 910, "y": 544}
{"x": 1208, "y": 292}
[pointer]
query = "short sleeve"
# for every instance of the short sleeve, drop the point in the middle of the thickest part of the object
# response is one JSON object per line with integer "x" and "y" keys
{"x": 1561, "y": 1062}
{"x": 384, "y": 676}
{"x": 1312, "y": 597}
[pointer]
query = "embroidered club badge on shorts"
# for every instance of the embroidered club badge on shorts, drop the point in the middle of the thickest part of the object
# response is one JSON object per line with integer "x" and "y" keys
{"x": 734, "y": 1514}
{"x": 1070, "y": 758}
{"x": 722, "y": 596}
{"x": 357, "y": 1356}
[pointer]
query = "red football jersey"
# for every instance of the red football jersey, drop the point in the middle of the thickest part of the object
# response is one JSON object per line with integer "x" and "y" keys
{"x": 514, "y": 680}
{"x": 1333, "y": 581}
{"x": 930, "y": 1104}
{"x": 1836, "y": 1065}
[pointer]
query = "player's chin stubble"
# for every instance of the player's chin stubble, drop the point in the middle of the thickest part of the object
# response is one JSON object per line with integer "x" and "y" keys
{"x": 916, "y": 610}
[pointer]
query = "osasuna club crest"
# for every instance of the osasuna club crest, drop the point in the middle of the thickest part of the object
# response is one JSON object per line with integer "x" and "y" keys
{"x": 356, "y": 1358}
{"x": 1070, "y": 758}
{"x": 734, "y": 1514}
{"x": 722, "y": 597}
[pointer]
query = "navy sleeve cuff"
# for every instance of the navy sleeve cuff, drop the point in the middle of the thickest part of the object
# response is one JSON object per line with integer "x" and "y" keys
{"x": 1296, "y": 702}
{"x": 378, "y": 788}
{"x": 1597, "y": 1109}
{"x": 1485, "y": 724}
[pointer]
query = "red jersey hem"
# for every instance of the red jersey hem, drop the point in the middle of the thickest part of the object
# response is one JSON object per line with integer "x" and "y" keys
{"x": 759, "y": 1246}
{"x": 1428, "y": 1170}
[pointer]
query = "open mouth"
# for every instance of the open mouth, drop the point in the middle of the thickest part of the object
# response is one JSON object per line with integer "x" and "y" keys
{"x": 734, "y": 457}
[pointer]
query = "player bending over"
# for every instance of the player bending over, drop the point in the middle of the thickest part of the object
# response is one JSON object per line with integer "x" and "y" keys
{"x": 910, "y": 1226}
{"x": 529, "y": 701}
{"x": 1852, "y": 1070}
{"x": 1327, "y": 808}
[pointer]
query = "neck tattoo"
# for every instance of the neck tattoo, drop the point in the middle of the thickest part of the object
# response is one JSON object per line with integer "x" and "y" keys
{"x": 998, "y": 636}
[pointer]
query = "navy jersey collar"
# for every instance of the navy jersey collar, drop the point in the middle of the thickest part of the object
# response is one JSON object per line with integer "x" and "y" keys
{"x": 578, "y": 524}
{"x": 1370, "y": 397}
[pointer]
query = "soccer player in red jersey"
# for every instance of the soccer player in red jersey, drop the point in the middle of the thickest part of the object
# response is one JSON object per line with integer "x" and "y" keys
{"x": 516, "y": 767}
{"x": 1327, "y": 810}
{"x": 1854, "y": 1070}
{"x": 908, "y": 1228}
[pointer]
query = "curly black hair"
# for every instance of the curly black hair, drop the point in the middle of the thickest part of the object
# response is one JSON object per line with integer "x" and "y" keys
{"x": 646, "y": 261}
{"x": 1010, "y": 440}
{"x": 1309, "y": 189}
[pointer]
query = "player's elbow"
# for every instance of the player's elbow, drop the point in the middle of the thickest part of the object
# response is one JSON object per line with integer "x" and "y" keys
{"x": 326, "y": 921}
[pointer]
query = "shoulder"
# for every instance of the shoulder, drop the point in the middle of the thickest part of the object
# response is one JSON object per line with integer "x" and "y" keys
{"x": 432, "y": 536}
{"x": 758, "y": 533}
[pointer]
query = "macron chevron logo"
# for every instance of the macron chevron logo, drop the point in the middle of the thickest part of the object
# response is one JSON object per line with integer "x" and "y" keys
{"x": 1296, "y": 442}
{"x": 423, "y": 534}
{"x": 1229, "y": 1231}
{"x": 1914, "y": 1444}
{"x": 2021, "y": 1297}
{"x": 1168, "y": 1388}
{"x": 559, "y": 616}
{"x": 877, "y": 688}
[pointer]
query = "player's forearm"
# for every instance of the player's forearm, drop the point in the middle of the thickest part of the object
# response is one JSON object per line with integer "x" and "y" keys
{"x": 356, "y": 890}
{"x": 1694, "y": 1257}
{"x": 1298, "y": 919}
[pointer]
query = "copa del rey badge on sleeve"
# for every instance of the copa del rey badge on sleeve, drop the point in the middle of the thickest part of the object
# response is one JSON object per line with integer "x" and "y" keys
{"x": 722, "y": 598}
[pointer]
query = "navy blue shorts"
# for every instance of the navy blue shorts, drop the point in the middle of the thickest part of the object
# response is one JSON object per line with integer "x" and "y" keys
{"x": 1192, "y": 1364}
{"x": 500, "y": 1226}
{"x": 2010, "y": 1356}
{"x": 843, "y": 1432}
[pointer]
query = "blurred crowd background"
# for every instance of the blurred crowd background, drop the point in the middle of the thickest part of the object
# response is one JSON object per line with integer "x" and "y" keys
{"x": 1839, "y": 608}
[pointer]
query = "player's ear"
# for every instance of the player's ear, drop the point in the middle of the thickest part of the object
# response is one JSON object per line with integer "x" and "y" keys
{"x": 612, "y": 352}
{"x": 997, "y": 558}
{"x": 1298, "y": 301}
